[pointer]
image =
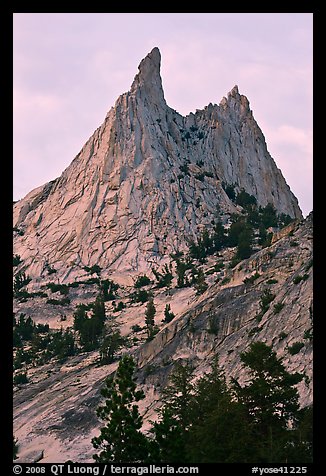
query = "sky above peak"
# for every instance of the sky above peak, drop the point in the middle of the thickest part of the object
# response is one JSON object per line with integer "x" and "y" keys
{"x": 69, "y": 69}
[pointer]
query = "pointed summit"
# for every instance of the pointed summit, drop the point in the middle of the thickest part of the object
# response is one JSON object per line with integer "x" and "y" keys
{"x": 149, "y": 78}
{"x": 150, "y": 65}
{"x": 234, "y": 91}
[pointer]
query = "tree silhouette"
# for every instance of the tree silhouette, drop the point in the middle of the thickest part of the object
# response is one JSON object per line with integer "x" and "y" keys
{"x": 121, "y": 440}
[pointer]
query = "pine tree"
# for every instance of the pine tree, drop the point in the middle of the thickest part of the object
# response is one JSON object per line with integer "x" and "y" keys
{"x": 175, "y": 416}
{"x": 149, "y": 317}
{"x": 168, "y": 314}
{"x": 271, "y": 401}
{"x": 121, "y": 440}
{"x": 110, "y": 345}
{"x": 91, "y": 327}
{"x": 199, "y": 281}
{"x": 244, "y": 248}
{"x": 218, "y": 432}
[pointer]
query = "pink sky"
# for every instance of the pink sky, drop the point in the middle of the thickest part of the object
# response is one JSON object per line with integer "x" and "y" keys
{"x": 70, "y": 68}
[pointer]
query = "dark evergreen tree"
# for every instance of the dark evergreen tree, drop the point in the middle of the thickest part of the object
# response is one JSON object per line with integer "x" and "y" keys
{"x": 168, "y": 314}
{"x": 236, "y": 228}
{"x": 149, "y": 317}
{"x": 20, "y": 280}
{"x": 244, "y": 247}
{"x": 199, "y": 281}
{"x": 300, "y": 447}
{"x": 90, "y": 327}
{"x": 80, "y": 315}
{"x": 181, "y": 267}
{"x": 170, "y": 431}
{"x": 218, "y": 433}
{"x": 141, "y": 281}
{"x": 108, "y": 289}
{"x": 16, "y": 260}
{"x": 268, "y": 216}
{"x": 62, "y": 344}
{"x": 111, "y": 343}
{"x": 229, "y": 190}
{"x": 219, "y": 237}
{"x": 245, "y": 200}
{"x": 271, "y": 402}
{"x": 164, "y": 278}
{"x": 121, "y": 440}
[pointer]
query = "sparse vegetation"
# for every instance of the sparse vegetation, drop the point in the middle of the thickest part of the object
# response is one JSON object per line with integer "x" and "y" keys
{"x": 16, "y": 260}
{"x": 253, "y": 331}
{"x": 149, "y": 318}
{"x": 266, "y": 298}
{"x": 295, "y": 348}
{"x": 61, "y": 288}
{"x": 282, "y": 335}
{"x": 140, "y": 296}
{"x": 20, "y": 379}
{"x": 300, "y": 278}
{"x": 141, "y": 281}
{"x": 121, "y": 305}
{"x": 168, "y": 314}
{"x": 20, "y": 281}
{"x": 19, "y": 231}
{"x": 59, "y": 302}
{"x": 308, "y": 334}
{"x": 278, "y": 307}
{"x": 95, "y": 269}
{"x": 164, "y": 278}
{"x": 136, "y": 328}
{"x": 252, "y": 278}
{"x": 309, "y": 265}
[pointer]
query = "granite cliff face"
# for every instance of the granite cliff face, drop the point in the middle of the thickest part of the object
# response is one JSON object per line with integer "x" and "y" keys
{"x": 146, "y": 182}
{"x": 146, "y": 179}
{"x": 55, "y": 413}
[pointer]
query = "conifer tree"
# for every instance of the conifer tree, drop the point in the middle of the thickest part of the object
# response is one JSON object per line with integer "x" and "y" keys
{"x": 168, "y": 314}
{"x": 175, "y": 416}
{"x": 121, "y": 440}
{"x": 218, "y": 433}
{"x": 149, "y": 317}
{"x": 271, "y": 401}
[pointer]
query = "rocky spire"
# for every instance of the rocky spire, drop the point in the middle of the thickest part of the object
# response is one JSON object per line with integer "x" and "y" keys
{"x": 148, "y": 80}
{"x": 124, "y": 204}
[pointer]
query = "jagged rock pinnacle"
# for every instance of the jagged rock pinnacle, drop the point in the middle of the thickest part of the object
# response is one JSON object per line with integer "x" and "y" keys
{"x": 133, "y": 207}
{"x": 149, "y": 78}
{"x": 234, "y": 91}
{"x": 150, "y": 64}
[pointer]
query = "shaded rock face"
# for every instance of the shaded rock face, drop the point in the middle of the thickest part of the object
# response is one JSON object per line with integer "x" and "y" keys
{"x": 144, "y": 181}
{"x": 56, "y": 412}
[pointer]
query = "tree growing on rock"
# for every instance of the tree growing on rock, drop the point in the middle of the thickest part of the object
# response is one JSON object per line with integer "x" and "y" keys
{"x": 121, "y": 440}
{"x": 271, "y": 401}
{"x": 168, "y": 314}
{"x": 149, "y": 318}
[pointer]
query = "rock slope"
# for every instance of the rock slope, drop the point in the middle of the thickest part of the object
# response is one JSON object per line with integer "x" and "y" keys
{"x": 55, "y": 413}
{"x": 146, "y": 179}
